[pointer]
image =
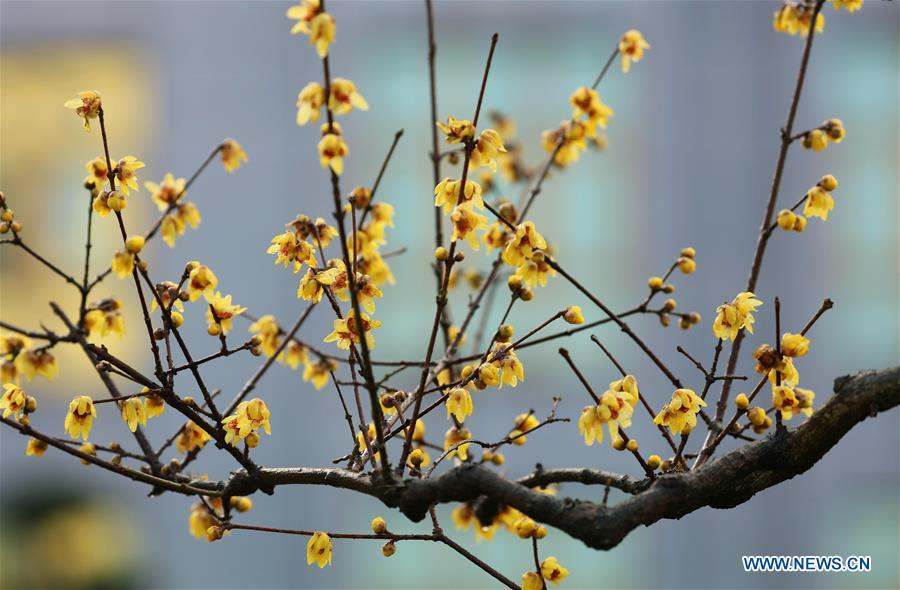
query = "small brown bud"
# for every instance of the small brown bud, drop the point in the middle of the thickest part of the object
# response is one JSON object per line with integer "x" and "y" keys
{"x": 459, "y": 256}
{"x": 256, "y": 351}
{"x": 30, "y": 405}
{"x": 508, "y": 212}
{"x": 388, "y": 549}
{"x": 159, "y": 334}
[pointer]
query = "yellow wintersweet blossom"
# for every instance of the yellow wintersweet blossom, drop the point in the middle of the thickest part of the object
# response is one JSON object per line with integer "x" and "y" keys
{"x": 568, "y": 141}
{"x": 201, "y": 519}
{"x": 586, "y": 102}
{"x": 153, "y": 403}
{"x": 13, "y": 400}
{"x": 457, "y": 130}
{"x": 33, "y": 363}
{"x": 535, "y": 270}
{"x": 318, "y": 549}
{"x": 489, "y": 374}
{"x": 87, "y": 106}
{"x": 122, "y": 263}
{"x": 104, "y": 318}
{"x": 532, "y": 581}
{"x": 201, "y": 281}
{"x": 466, "y": 222}
{"x": 496, "y": 236}
{"x": 36, "y": 447}
{"x": 168, "y": 193}
{"x": 318, "y": 372}
{"x": 191, "y": 437}
{"x": 463, "y": 516}
{"x": 125, "y": 172}
{"x": 98, "y": 172}
{"x": 266, "y": 328}
{"x": 303, "y": 14}
{"x": 552, "y": 571}
{"x": 785, "y": 371}
{"x": 221, "y": 311}
{"x": 511, "y": 368}
{"x": 795, "y": 18}
{"x": 108, "y": 201}
{"x": 232, "y": 155}
{"x": 12, "y": 343}
{"x": 455, "y": 436}
{"x": 294, "y": 354}
{"x": 680, "y": 414}
{"x": 818, "y": 203}
{"x": 523, "y": 244}
{"x": 249, "y": 417}
{"x": 848, "y": 5}
{"x": 346, "y": 331}
{"x": 794, "y": 345}
{"x": 446, "y": 194}
{"x": 459, "y": 404}
{"x": 792, "y": 401}
{"x": 309, "y": 103}
{"x": 332, "y": 150}
{"x": 174, "y": 223}
{"x": 344, "y": 97}
{"x": 373, "y": 265}
{"x": 732, "y": 317}
{"x": 80, "y": 417}
{"x": 615, "y": 410}
{"x": 134, "y": 412}
{"x": 632, "y": 46}
{"x": 321, "y": 33}
{"x": 487, "y": 149}
{"x": 291, "y": 248}
{"x": 312, "y": 285}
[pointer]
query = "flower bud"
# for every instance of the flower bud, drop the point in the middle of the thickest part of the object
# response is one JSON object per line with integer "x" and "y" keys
{"x": 88, "y": 449}
{"x": 688, "y": 252}
{"x": 116, "y": 201}
{"x": 573, "y": 315}
{"x": 241, "y": 503}
{"x": 686, "y": 265}
{"x": 654, "y": 461}
{"x": 631, "y": 445}
{"x": 214, "y": 533}
{"x": 379, "y": 526}
{"x": 134, "y": 244}
{"x": 525, "y": 527}
{"x": 252, "y": 440}
{"x": 742, "y": 401}
{"x": 618, "y": 444}
{"x": 786, "y": 219}
{"x": 388, "y": 549}
{"x": 441, "y": 253}
{"x": 655, "y": 283}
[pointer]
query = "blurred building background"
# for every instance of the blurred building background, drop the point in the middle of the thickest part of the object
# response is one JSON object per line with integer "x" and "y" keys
{"x": 692, "y": 148}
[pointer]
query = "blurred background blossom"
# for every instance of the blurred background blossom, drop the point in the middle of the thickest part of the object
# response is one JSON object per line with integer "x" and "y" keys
{"x": 692, "y": 148}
